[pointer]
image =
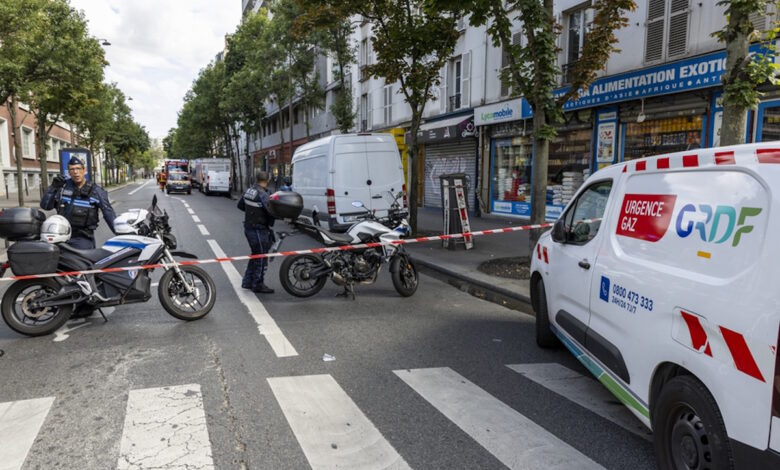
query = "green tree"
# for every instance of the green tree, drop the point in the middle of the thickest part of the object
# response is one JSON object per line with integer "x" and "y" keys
{"x": 95, "y": 119}
{"x": 167, "y": 142}
{"x": 744, "y": 73}
{"x": 413, "y": 40}
{"x": 336, "y": 27}
{"x": 533, "y": 70}
{"x": 70, "y": 68}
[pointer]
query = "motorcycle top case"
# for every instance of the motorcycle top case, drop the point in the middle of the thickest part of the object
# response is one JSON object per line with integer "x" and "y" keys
{"x": 21, "y": 223}
{"x": 33, "y": 257}
{"x": 285, "y": 205}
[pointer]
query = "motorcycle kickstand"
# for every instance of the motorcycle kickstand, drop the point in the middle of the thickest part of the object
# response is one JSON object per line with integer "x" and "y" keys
{"x": 349, "y": 290}
{"x": 105, "y": 320}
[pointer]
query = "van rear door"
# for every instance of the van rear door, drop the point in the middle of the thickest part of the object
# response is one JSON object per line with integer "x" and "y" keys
{"x": 219, "y": 181}
{"x": 385, "y": 172}
{"x": 351, "y": 178}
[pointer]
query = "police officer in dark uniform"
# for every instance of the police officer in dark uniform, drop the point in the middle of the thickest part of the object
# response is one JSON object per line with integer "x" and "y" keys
{"x": 257, "y": 228}
{"x": 78, "y": 200}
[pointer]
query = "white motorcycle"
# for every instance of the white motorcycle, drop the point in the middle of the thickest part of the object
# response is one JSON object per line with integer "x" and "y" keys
{"x": 305, "y": 275}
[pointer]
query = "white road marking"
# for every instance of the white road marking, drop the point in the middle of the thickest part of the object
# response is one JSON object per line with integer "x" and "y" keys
{"x": 192, "y": 212}
{"x": 330, "y": 428}
{"x": 512, "y": 438}
{"x": 583, "y": 391}
{"x": 196, "y": 219}
{"x": 62, "y": 333}
{"x": 265, "y": 324}
{"x": 165, "y": 427}
{"x": 203, "y": 230}
{"x": 20, "y": 422}
{"x": 139, "y": 188}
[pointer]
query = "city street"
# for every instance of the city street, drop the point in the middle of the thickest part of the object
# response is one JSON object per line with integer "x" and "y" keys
{"x": 438, "y": 380}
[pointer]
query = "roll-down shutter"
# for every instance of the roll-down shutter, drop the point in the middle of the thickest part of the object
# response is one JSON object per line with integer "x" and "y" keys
{"x": 441, "y": 159}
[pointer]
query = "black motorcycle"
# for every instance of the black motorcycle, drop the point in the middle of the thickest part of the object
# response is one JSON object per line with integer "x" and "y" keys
{"x": 36, "y": 307}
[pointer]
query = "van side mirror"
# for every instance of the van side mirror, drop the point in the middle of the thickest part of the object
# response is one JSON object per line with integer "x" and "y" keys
{"x": 315, "y": 217}
{"x": 559, "y": 231}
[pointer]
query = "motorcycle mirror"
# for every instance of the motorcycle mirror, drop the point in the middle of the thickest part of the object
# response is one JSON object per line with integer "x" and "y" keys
{"x": 154, "y": 201}
{"x": 357, "y": 204}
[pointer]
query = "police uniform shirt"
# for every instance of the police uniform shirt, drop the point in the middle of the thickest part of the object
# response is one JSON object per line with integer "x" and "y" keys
{"x": 90, "y": 197}
{"x": 254, "y": 203}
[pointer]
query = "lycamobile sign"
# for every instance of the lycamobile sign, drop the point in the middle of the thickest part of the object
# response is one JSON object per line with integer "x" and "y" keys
{"x": 504, "y": 113}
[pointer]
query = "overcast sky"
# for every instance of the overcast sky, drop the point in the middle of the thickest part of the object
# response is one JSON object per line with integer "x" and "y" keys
{"x": 157, "y": 48}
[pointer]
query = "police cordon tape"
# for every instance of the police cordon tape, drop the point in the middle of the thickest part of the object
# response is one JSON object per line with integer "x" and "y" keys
{"x": 290, "y": 253}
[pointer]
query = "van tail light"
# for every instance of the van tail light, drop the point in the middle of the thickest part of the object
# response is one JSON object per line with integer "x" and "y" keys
{"x": 331, "y": 198}
{"x": 406, "y": 204}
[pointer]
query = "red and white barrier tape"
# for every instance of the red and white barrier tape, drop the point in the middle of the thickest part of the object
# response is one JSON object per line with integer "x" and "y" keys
{"x": 287, "y": 253}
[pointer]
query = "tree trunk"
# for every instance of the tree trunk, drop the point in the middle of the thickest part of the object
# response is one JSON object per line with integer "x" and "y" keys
{"x": 237, "y": 136}
{"x": 41, "y": 150}
{"x": 539, "y": 175}
{"x": 11, "y": 104}
{"x": 284, "y": 165}
{"x": 734, "y": 114}
{"x": 248, "y": 168}
{"x": 414, "y": 176}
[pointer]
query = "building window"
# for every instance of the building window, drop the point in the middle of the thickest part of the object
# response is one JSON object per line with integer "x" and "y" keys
{"x": 579, "y": 23}
{"x": 295, "y": 115}
{"x": 506, "y": 88}
{"x": 667, "y": 29}
{"x": 387, "y": 107}
{"x": 273, "y": 125}
{"x": 457, "y": 76}
{"x": 28, "y": 148}
{"x": 364, "y": 113}
{"x": 365, "y": 58}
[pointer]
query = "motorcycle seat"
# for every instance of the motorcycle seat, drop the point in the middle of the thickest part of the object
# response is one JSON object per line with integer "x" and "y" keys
{"x": 90, "y": 255}
{"x": 339, "y": 238}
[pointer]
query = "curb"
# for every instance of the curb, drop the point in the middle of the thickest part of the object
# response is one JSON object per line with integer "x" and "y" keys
{"x": 478, "y": 288}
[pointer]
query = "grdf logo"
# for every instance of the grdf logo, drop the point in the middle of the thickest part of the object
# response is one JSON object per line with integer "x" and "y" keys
{"x": 717, "y": 225}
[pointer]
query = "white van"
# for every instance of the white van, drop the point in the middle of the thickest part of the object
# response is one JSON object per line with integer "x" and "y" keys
{"x": 661, "y": 277}
{"x": 332, "y": 172}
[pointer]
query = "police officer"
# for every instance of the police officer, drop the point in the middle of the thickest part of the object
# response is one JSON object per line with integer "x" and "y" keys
{"x": 257, "y": 228}
{"x": 78, "y": 201}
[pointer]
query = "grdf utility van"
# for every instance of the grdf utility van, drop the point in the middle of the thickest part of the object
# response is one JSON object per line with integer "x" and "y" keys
{"x": 333, "y": 172}
{"x": 661, "y": 277}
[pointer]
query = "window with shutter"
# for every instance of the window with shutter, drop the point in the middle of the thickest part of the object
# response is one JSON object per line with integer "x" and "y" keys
{"x": 517, "y": 38}
{"x": 678, "y": 28}
{"x": 388, "y": 104}
{"x": 465, "y": 99}
{"x": 760, "y": 19}
{"x": 654, "y": 42}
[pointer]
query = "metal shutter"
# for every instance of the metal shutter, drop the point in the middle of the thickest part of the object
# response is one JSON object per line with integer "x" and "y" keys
{"x": 654, "y": 43}
{"x": 456, "y": 157}
{"x": 678, "y": 29}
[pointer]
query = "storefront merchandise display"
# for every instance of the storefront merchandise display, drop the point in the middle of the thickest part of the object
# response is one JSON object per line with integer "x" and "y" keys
{"x": 661, "y": 136}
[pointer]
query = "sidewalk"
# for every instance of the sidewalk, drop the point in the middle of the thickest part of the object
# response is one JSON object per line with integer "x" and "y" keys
{"x": 460, "y": 265}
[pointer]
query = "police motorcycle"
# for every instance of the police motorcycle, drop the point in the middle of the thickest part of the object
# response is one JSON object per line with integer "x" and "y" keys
{"x": 36, "y": 307}
{"x": 306, "y": 274}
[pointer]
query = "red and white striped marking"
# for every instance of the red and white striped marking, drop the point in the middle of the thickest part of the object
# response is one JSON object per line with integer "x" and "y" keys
{"x": 289, "y": 253}
{"x": 728, "y": 346}
{"x": 709, "y": 157}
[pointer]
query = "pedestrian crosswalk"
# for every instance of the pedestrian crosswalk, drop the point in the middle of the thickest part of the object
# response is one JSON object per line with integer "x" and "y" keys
{"x": 167, "y": 427}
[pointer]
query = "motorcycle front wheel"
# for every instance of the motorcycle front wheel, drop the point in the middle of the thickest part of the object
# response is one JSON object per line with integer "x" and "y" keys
{"x": 183, "y": 305}
{"x": 29, "y": 321}
{"x": 404, "y": 274}
{"x": 295, "y": 275}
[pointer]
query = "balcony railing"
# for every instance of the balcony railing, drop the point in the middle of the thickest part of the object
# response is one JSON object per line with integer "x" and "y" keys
{"x": 567, "y": 72}
{"x": 454, "y": 102}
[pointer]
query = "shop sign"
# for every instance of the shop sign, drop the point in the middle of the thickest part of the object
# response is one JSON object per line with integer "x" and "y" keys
{"x": 523, "y": 209}
{"x": 689, "y": 74}
{"x": 502, "y": 112}
{"x": 462, "y": 130}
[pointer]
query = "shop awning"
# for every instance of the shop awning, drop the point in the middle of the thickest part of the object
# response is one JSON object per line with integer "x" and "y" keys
{"x": 445, "y": 130}
{"x": 442, "y": 123}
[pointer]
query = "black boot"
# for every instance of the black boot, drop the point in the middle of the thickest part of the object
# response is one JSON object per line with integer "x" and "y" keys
{"x": 263, "y": 289}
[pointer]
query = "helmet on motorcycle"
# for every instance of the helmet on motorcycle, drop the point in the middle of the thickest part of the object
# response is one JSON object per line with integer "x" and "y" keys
{"x": 55, "y": 229}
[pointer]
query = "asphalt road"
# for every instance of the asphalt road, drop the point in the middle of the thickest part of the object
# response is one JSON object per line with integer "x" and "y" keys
{"x": 420, "y": 382}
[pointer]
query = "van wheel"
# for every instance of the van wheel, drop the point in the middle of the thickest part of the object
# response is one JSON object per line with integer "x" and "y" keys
{"x": 545, "y": 338}
{"x": 688, "y": 427}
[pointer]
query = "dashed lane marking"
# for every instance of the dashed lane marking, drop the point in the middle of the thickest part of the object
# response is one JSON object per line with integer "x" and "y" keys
{"x": 203, "y": 230}
{"x": 330, "y": 428}
{"x": 512, "y": 438}
{"x": 265, "y": 324}
{"x": 196, "y": 219}
{"x": 20, "y": 422}
{"x": 139, "y": 188}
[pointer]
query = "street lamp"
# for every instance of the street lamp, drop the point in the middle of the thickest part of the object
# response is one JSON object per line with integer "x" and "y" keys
{"x": 103, "y": 42}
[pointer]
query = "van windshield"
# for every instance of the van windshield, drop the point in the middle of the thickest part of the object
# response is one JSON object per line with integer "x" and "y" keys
{"x": 178, "y": 177}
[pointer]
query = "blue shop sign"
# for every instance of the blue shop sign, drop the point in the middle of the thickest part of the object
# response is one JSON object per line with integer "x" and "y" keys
{"x": 523, "y": 209}
{"x": 690, "y": 74}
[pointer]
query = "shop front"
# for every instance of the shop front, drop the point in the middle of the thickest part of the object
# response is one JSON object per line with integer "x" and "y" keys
{"x": 449, "y": 146}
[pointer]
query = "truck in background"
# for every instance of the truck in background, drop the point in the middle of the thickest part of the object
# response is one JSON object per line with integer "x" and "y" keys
{"x": 212, "y": 175}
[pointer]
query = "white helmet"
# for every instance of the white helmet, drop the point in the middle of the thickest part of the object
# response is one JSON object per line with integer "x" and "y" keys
{"x": 127, "y": 222}
{"x": 55, "y": 229}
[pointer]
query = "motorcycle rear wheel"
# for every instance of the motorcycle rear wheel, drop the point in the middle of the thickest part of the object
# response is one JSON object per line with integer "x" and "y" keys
{"x": 405, "y": 277}
{"x": 294, "y": 275}
{"x": 29, "y": 323}
{"x": 174, "y": 298}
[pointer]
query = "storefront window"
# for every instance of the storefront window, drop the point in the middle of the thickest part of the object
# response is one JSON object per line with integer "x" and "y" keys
{"x": 645, "y": 139}
{"x": 770, "y": 125}
{"x": 512, "y": 169}
{"x": 569, "y": 165}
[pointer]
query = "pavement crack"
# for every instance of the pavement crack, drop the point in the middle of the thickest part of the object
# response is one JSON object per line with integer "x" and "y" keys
{"x": 240, "y": 445}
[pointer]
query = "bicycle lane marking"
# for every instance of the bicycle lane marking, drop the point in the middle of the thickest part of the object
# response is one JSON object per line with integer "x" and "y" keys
{"x": 265, "y": 323}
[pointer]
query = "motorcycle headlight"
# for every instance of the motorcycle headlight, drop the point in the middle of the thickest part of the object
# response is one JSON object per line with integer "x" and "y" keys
{"x": 170, "y": 241}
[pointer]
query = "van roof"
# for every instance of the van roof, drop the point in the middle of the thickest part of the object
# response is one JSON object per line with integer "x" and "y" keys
{"x": 735, "y": 155}
{"x": 331, "y": 138}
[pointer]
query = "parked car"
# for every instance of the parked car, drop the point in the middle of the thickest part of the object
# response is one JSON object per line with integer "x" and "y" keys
{"x": 178, "y": 181}
{"x": 661, "y": 278}
{"x": 333, "y": 172}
